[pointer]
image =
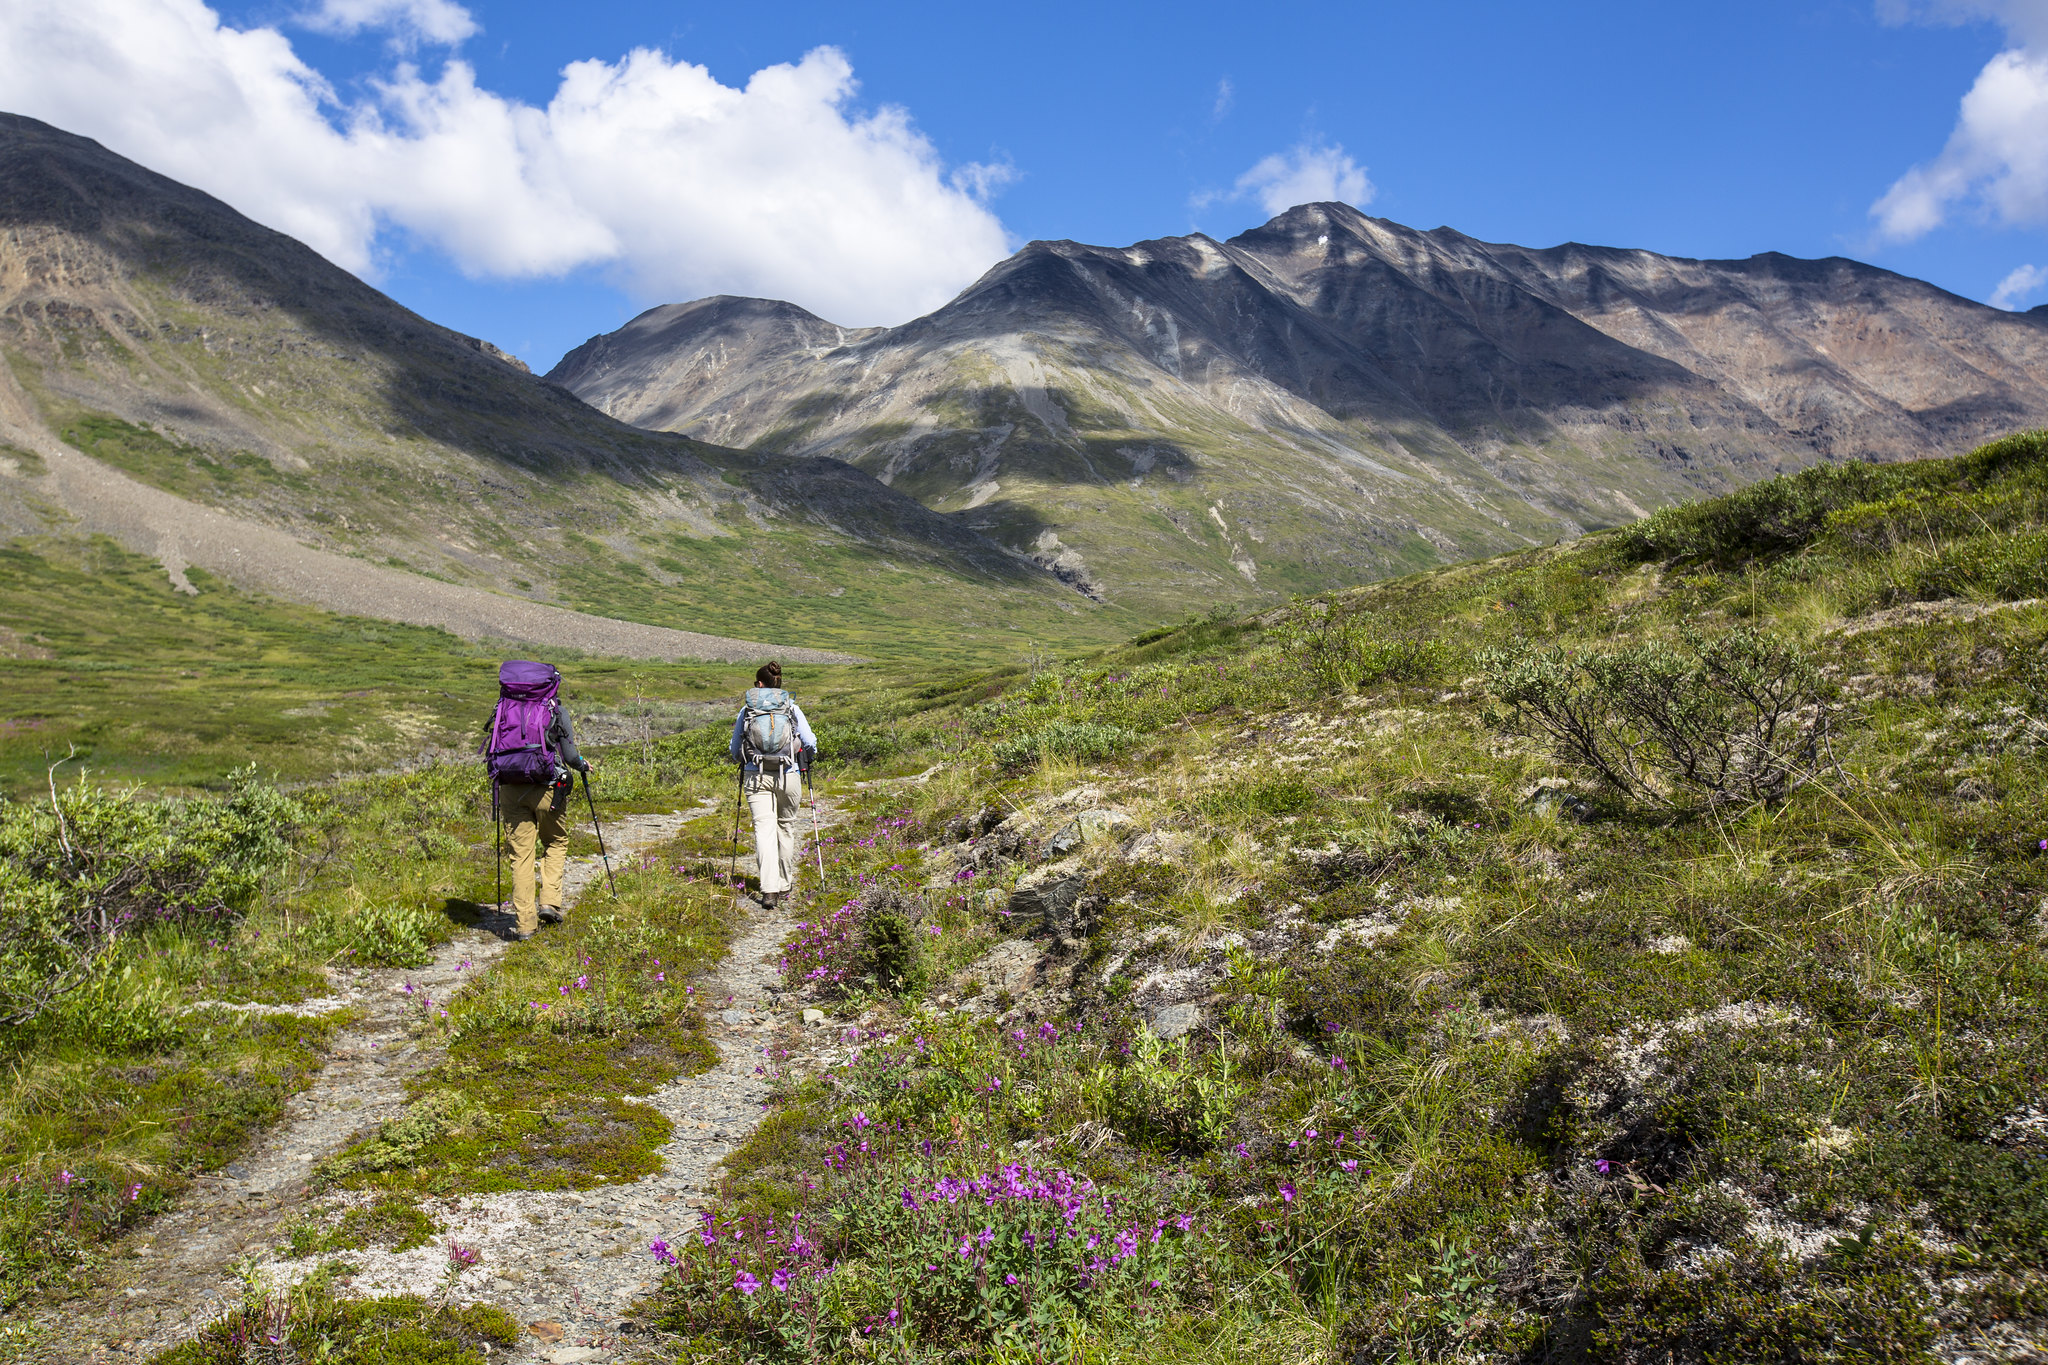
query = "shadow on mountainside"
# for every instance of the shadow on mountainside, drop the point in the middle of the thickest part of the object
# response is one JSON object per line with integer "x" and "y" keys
{"x": 92, "y": 226}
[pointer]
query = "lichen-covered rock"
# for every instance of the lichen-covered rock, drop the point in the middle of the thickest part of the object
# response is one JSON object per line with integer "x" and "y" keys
{"x": 1084, "y": 828}
{"x": 1049, "y": 900}
{"x": 1175, "y": 1020}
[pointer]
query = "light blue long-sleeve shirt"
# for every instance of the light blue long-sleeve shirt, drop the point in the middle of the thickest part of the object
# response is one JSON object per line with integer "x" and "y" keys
{"x": 796, "y": 715}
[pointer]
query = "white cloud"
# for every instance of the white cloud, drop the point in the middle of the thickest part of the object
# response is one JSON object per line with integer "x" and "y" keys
{"x": 2015, "y": 289}
{"x": 2025, "y": 20}
{"x": 435, "y": 21}
{"x": 1307, "y": 173}
{"x": 647, "y": 167}
{"x": 1226, "y": 96}
{"x": 1995, "y": 164}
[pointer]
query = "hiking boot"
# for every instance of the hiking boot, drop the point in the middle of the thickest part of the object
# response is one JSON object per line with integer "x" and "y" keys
{"x": 551, "y": 914}
{"x": 515, "y": 936}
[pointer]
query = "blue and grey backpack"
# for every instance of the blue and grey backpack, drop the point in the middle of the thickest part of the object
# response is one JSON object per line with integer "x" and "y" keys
{"x": 768, "y": 730}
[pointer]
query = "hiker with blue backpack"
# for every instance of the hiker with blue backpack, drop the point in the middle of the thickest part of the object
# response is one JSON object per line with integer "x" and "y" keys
{"x": 773, "y": 744}
{"x": 530, "y": 749}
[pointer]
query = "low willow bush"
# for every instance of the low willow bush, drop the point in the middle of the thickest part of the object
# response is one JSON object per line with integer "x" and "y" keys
{"x": 1080, "y": 741}
{"x": 1741, "y": 717}
{"x": 94, "y": 864}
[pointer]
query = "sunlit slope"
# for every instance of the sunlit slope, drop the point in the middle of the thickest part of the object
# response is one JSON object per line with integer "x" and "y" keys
{"x": 1331, "y": 398}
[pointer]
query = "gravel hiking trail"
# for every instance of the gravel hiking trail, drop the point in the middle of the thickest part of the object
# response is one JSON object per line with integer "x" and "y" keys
{"x": 567, "y": 1265}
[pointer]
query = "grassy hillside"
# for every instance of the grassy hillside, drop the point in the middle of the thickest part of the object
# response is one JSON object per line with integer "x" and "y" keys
{"x": 1735, "y": 1068}
{"x": 100, "y": 659}
{"x": 1625, "y": 951}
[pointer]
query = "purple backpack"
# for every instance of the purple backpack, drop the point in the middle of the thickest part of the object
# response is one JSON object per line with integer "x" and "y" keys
{"x": 516, "y": 749}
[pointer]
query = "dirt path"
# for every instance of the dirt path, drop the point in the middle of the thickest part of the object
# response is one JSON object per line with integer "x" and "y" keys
{"x": 565, "y": 1264}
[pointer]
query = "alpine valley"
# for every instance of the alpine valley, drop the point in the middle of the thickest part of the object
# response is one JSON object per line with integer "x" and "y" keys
{"x": 1332, "y": 398}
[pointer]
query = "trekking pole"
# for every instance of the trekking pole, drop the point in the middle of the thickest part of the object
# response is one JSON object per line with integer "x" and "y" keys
{"x": 817, "y": 840}
{"x": 732, "y": 872}
{"x": 498, "y": 824}
{"x": 592, "y": 802}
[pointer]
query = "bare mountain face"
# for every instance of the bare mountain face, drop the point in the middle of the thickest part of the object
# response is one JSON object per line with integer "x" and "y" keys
{"x": 1332, "y": 397}
{"x": 154, "y": 329}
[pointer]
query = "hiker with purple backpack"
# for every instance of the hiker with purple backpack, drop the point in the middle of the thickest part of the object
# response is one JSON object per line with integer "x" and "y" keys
{"x": 773, "y": 744}
{"x": 530, "y": 749}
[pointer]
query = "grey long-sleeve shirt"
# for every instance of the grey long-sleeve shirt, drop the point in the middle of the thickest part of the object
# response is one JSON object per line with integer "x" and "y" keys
{"x": 562, "y": 739}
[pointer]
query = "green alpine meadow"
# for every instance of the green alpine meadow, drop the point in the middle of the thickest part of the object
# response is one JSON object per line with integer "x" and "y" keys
{"x": 1628, "y": 949}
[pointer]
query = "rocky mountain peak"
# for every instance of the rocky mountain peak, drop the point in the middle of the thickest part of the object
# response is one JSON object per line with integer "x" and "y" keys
{"x": 1331, "y": 394}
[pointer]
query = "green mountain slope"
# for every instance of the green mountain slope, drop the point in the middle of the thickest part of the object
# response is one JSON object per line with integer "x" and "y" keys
{"x": 160, "y": 333}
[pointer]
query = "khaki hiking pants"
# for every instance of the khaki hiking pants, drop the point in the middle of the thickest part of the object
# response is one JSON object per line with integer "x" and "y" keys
{"x": 529, "y": 811}
{"x": 774, "y": 799}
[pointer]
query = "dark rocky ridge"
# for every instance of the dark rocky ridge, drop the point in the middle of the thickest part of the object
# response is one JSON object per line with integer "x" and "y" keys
{"x": 1332, "y": 395}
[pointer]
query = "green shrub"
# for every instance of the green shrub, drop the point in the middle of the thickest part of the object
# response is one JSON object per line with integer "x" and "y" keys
{"x": 1769, "y": 518}
{"x": 1268, "y": 797}
{"x": 1738, "y": 717}
{"x": 854, "y": 744}
{"x": 1083, "y": 741}
{"x": 1873, "y": 507}
{"x": 385, "y": 933}
{"x": 397, "y": 1144}
{"x": 1347, "y": 650}
{"x": 81, "y": 870}
{"x": 2002, "y": 567}
{"x": 120, "y": 1009}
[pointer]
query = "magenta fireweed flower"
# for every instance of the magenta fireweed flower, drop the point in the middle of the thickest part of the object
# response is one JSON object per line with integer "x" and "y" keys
{"x": 1348, "y": 1165}
{"x": 745, "y": 1283}
{"x": 780, "y": 1279}
{"x": 1287, "y": 1192}
{"x": 662, "y": 1253}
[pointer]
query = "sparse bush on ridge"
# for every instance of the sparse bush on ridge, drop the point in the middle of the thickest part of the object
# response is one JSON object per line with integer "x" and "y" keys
{"x": 1742, "y": 717}
{"x": 1081, "y": 741}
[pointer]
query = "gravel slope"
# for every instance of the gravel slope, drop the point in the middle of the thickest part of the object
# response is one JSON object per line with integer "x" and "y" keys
{"x": 181, "y": 533}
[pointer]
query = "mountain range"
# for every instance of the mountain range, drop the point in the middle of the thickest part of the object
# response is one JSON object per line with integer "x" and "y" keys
{"x": 218, "y": 394}
{"x": 1331, "y": 397}
{"x": 1085, "y": 440}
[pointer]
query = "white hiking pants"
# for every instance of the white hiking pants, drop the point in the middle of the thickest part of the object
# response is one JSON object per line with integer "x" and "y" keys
{"x": 775, "y": 798}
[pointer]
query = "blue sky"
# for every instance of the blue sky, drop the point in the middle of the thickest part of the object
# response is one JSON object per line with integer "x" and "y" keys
{"x": 1693, "y": 130}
